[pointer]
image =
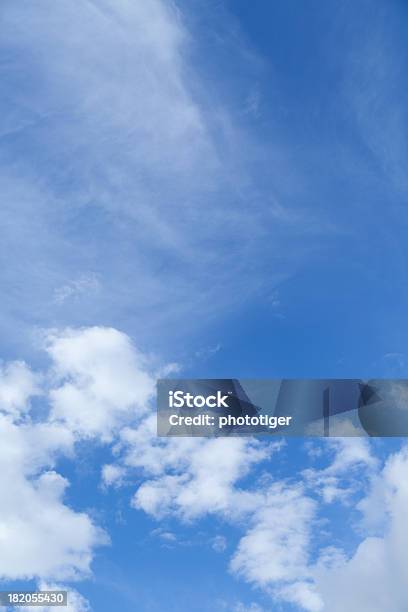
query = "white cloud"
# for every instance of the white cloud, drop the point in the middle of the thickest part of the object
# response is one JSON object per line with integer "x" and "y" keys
{"x": 303, "y": 594}
{"x": 17, "y": 385}
{"x": 204, "y": 476}
{"x": 112, "y": 475}
{"x": 102, "y": 380}
{"x": 193, "y": 459}
{"x": 188, "y": 478}
{"x": 276, "y": 546}
{"x": 276, "y": 551}
{"x": 97, "y": 381}
{"x": 338, "y": 481}
{"x": 193, "y": 477}
{"x": 374, "y": 578}
{"x": 39, "y": 535}
{"x": 123, "y": 132}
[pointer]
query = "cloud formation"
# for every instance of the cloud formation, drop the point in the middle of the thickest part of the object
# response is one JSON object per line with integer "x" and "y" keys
{"x": 40, "y": 536}
{"x": 126, "y": 178}
{"x": 98, "y": 387}
{"x": 100, "y": 380}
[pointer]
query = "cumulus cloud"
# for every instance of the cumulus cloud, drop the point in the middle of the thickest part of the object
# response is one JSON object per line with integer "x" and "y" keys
{"x": 374, "y": 577}
{"x": 102, "y": 380}
{"x": 99, "y": 386}
{"x": 204, "y": 486}
{"x": 18, "y": 383}
{"x": 190, "y": 478}
{"x": 97, "y": 380}
{"x": 303, "y": 595}
{"x": 140, "y": 448}
{"x": 197, "y": 476}
{"x": 337, "y": 481}
{"x": 276, "y": 546}
{"x": 39, "y": 535}
{"x": 274, "y": 554}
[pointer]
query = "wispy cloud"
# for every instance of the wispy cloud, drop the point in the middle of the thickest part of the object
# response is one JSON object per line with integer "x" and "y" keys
{"x": 123, "y": 164}
{"x": 74, "y": 289}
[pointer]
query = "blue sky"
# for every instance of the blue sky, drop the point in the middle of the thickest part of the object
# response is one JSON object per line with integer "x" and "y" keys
{"x": 214, "y": 189}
